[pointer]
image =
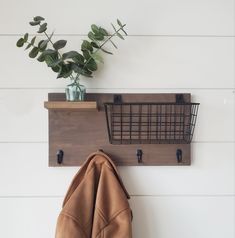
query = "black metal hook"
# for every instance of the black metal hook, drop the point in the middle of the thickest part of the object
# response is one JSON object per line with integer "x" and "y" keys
{"x": 60, "y": 155}
{"x": 179, "y": 155}
{"x": 117, "y": 98}
{"x": 139, "y": 154}
{"x": 179, "y": 98}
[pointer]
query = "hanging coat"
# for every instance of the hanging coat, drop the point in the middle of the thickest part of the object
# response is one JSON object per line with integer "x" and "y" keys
{"x": 96, "y": 204}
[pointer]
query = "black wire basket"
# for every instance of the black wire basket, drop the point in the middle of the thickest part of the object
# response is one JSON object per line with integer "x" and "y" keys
{"x": 151, "y": 123}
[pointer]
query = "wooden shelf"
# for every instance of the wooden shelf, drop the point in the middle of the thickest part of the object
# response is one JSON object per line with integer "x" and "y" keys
{"x": 64, "y": 105}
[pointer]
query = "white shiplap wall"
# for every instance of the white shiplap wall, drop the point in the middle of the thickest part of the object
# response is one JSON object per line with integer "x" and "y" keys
{"x": 173, "y": 46}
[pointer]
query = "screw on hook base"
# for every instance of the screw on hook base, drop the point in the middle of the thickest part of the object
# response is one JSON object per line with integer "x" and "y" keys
{"x": 139, "y": 154}
{"x": 60, "y": 155}
{"x": 179, "y": 156}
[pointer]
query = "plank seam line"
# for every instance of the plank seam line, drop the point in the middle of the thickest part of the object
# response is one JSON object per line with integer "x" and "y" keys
{"x": 169, "y": 89}
{"x": 45, "y": 142}
{"x": 135, "y": 35}
{"x": 134, "y": 195}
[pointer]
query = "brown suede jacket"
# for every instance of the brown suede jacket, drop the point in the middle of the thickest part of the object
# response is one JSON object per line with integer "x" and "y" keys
{"x": 96, "y": 203}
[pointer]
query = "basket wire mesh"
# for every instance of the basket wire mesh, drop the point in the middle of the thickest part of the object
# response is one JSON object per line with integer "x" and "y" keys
{"x": 151, "y": 123}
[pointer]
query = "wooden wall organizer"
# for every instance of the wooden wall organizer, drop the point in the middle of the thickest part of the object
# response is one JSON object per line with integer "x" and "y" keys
{"x": 143, "y": 129}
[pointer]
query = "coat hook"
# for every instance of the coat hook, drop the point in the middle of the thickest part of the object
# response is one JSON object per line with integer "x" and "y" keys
{"x": 179, "y": 155}
{"x": 139, "y": 154}
{"x": 60, "y": 155}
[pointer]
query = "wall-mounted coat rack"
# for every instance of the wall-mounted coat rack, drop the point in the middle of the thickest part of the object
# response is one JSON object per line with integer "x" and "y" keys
{"x": 134, "y": 129}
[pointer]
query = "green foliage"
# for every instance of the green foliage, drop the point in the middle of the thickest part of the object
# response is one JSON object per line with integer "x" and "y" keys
{"x": 34, "y": 52}
{"x": 42, "y": 28}
{"x": 59, "y": 44}
{"x": 20, "y": 42}
{"x": 72, "y": 63}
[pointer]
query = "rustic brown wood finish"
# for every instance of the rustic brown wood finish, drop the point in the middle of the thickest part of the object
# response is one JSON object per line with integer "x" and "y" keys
{"x": 79, "y": 132}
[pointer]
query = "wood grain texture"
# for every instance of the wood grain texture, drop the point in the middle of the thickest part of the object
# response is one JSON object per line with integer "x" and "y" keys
{"x": 63, "y": 105}
{"x": 80, "y": 133}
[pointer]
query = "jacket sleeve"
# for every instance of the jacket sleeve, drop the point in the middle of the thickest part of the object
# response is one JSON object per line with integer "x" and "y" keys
{"x": 67, "y": 227}
{"x": 119, "y": 227}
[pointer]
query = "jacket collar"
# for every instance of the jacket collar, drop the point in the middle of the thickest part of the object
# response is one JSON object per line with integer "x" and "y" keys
{"x": 81, "y": 173}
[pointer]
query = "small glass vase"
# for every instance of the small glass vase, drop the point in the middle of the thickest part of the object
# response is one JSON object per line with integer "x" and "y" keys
{"x": 75, "y": 92}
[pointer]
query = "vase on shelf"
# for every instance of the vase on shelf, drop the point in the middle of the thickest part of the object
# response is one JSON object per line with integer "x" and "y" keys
{"x": 75, "y": 92}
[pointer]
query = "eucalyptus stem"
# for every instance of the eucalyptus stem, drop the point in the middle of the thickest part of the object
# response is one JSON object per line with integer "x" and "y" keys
{"x": 109, "y": 38}
{"x": 51, "y": 43}
{"x": 48, "y": 38}
{"x": 100, "y": 47}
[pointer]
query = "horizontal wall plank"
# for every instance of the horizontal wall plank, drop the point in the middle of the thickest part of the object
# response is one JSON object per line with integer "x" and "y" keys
{"x": 139, "y": 62}
{"x": 29, "y": 217}
{"x": 163, "y": 217}
{"x": 163, "y": 17}
{"x": 25, "y": 168}
{"x": 183, "y": 217}
{"x": 25, "y": 119}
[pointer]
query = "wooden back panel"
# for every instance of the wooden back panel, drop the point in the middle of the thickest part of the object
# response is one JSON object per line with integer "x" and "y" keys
{"x": 81, "y": 132}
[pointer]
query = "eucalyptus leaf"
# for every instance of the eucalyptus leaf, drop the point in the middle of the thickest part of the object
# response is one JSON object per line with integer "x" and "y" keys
{"x": 65, "y": 71}
{"x": 39, "y": 43}
{"x": 43, "y": 45}
{"x": 105, "y": 51}
{"x": 99, "y": 37}
{"x": 113, "y": 44}
{"x": 79, "y": 59}
{"x": 42, "y": 28}
{"x": 33, "y": 40}
{"x": 26, "y": 36}
{"x": 70, "y": 55}
{"x": 95, "y": 28}
{"x": 123, "y": 31}
{"x": 113, "y": 27}
{"x": 95, "y": 45}
{"x": 120, "y": 36}
{"x": 41, "y": 58}
{"x": 34, "y": 23}
{"x": 38, "y": 18}
{"x": 34, "y": 52}
{"x": 91, "y": 35}
{"x": 86, "y": 45}
{"x": 97, "y": 57}
{"x": 75, "y": 56}
{"x": 86, "y": 72}
{"x": 103, "y": 31}
{"x": 119, "y": 23}
{"x": 20, "y": 42}
{"x": 55, "y": 63}
{"x": 91, "y": 65}
{"x": 28, "y": 46}
{"x": 50, "y": 59}
{"x": 50, "y": 52}
{"x": 56, "y": 68}
{"x": 59, "y": 44}
{"x": 86, "y": 54}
